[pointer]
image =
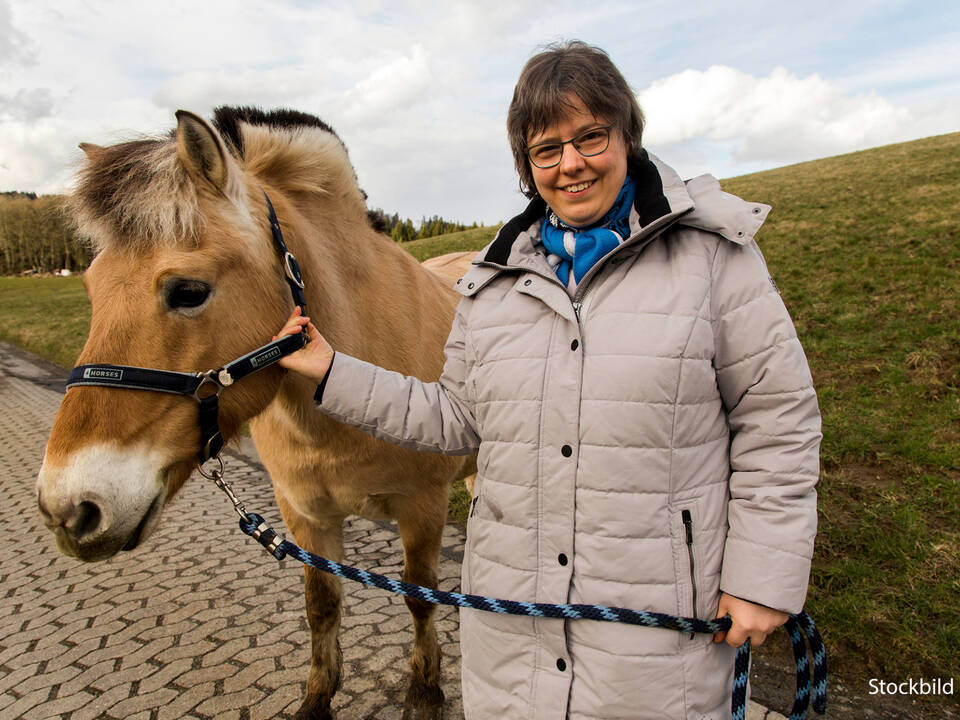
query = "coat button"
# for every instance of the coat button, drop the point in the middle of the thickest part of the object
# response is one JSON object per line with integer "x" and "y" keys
{"x": 566, "y": 451}
{"x": 527, "y": 282}
{"x": 459, "y": 280}
{"x": 470, "y": 286}
{"x": 561, "y": 664}
{"x": 575, "y": 344}
{"x": 562, "y": 559}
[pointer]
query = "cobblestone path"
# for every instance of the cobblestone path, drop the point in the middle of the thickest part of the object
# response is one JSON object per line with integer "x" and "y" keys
{"x": 198, "y": 623}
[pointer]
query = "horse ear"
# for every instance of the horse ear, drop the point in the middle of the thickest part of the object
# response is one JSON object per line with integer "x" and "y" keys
{"x": 92, "y": 151}
{"x": 201, "y": 150}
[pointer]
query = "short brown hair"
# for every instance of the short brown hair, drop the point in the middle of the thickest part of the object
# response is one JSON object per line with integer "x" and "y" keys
{"x": 540, "y": 99}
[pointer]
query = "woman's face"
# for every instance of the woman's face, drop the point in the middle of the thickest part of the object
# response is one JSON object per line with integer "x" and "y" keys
{"x": 580, "y": 189}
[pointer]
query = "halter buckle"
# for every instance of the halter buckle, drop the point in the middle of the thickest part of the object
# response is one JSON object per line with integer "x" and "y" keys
{"x": 210, "y": 377}
{"x": 293, "y": 269}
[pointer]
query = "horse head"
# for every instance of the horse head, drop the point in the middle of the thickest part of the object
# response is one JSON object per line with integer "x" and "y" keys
{"x": 186, "y": 278}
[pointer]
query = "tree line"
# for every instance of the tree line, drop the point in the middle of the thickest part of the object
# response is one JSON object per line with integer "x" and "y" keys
{"x": 403, "y": 230}
{"x": 37, "y": 236}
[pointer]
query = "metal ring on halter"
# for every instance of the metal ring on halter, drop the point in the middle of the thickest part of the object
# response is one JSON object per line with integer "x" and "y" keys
{"x": 215, "y": 474}
{"x": 210, "y": 377}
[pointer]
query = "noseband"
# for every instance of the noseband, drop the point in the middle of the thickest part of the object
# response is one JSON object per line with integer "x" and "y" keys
{"x": 205, "y": 387}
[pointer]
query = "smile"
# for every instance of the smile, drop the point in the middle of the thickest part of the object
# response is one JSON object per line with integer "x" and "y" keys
{"x": 579, "y": 187}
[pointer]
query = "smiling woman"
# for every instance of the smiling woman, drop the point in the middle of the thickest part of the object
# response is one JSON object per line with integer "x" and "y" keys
{"x": 648, "y": 434}
{"x": 581, "y": 184}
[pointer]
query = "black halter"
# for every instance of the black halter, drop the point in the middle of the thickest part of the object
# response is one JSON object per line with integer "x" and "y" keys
{"x": 206, "y": 387}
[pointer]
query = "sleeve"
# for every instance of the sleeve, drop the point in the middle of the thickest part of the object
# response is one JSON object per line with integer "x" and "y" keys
{"x": 425, "y": 416}
{"x": 771, "y": 407}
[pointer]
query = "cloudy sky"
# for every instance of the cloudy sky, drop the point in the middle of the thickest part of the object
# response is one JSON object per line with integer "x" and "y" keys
{"x": 418, "y": 90}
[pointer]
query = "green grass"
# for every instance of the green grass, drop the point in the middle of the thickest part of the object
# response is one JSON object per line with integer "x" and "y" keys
{"x": 866, "y": 251}
{"x": 49, "y": 316}
{"x": 473, "y": 239}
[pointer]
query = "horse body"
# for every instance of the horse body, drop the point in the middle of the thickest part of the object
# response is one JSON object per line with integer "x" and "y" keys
{"x": 186, "y": 279}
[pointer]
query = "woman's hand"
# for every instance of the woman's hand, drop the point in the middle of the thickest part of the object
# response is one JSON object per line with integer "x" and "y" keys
{"x": 749, "y": 621}
{"x": 314, "y": 359}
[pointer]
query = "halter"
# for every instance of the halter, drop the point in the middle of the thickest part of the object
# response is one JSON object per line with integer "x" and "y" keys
{"x": 205, "y": 387}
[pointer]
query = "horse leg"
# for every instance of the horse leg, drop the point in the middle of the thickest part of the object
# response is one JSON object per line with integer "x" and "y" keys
{"x": 323, "y": 598}
{"x": 421, "y": 535}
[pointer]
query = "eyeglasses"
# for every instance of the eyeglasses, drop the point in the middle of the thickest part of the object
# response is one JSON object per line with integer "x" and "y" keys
{"x": 588, "y": 143}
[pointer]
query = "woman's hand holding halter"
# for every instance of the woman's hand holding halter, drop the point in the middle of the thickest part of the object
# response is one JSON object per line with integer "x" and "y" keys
{"x": 314, "y": 359}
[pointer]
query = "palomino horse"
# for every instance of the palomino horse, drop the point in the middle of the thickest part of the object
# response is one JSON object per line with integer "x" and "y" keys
{"x": 186, "y": 278}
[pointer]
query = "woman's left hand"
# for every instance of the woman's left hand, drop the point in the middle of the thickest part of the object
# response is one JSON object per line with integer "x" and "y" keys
{"x": 749, "y": 621}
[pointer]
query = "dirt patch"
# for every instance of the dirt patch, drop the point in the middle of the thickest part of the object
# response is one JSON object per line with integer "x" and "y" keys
{"x": 866, "y": 475}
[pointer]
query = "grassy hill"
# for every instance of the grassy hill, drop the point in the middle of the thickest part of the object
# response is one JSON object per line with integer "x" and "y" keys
{"x": 865, "y": 248}
{"x": 472, "y": 239}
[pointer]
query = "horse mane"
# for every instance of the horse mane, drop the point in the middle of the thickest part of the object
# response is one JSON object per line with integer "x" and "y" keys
{"x": 137, "y": 193}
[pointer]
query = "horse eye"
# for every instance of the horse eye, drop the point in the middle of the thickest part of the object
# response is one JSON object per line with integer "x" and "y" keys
{"x": 181, "y": 293}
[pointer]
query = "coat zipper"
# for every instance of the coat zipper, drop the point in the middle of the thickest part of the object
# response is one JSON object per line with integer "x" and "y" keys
{"x": 688, "y": 526}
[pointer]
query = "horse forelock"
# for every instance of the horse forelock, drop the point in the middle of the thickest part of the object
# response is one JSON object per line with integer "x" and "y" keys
{"x": 136, "y": 193}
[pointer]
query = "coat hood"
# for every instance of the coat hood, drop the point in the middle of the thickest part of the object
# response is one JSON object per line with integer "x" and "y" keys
{"x": 661, "y": 198}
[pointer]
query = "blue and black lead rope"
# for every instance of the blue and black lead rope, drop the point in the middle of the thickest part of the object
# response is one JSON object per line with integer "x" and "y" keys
{"x": 800, "y": 627}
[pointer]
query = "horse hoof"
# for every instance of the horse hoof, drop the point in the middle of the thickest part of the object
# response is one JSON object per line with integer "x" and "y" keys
{"x": 423, "y": 702}
{"x": 312, "y": 709}
{"x": 423, "y": 713}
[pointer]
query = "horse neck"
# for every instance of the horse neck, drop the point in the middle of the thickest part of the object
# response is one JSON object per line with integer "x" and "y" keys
{"x": 367, "y": 296}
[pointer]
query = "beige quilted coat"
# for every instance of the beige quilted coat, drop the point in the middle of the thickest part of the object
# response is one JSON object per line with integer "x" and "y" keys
{"x": 645, "y": 443}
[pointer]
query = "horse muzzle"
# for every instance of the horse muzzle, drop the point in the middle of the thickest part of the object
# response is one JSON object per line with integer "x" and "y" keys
{"x": 100, "y": 503}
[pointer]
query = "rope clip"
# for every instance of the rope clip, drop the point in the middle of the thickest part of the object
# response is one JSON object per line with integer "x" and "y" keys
{"x": 217, "y": 476}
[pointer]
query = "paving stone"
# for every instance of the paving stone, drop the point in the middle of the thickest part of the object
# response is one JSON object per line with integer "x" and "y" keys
{"x": 165, "y": 675}
{"x": 100, "y": 707}
{"x": 185, "y": 702}
{"x": 22, "y": 705}
{"x": 206, "y": 675}
{"x": 283, "y": 701}
{"x": 45, "y": 680}
{"x": 58, "y": 707}
{"x": 88, "y": 677}
{"x": 232, "y": 701}
{"x": 141, "y": 701}
{"x": 16, "y": 680}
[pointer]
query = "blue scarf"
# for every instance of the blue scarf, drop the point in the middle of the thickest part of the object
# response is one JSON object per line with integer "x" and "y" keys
{"x": 590, "y": 243}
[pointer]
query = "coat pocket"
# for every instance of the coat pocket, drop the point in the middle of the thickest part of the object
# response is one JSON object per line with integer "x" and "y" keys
{"x": 687, "y": 518}
{"x": 685, "y": 530}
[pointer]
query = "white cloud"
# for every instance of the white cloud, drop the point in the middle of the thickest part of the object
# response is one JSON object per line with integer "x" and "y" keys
{"x": 14, "y": 44}
{"x": 418, "y": 89}
{"x": 387, "y": 89}
{"x": 26, "y": 105}
{"x": 204, "y": 89}
{"x": 778, "y": 118}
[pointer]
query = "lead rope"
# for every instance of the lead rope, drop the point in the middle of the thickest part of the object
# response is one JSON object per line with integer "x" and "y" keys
{"x": 800, "y": 627}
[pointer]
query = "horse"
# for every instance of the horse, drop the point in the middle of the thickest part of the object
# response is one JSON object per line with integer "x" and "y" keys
{"x": 186, "y": 278}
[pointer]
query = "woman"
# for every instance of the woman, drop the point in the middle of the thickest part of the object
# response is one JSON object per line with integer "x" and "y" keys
{"x": 648, "y": 434}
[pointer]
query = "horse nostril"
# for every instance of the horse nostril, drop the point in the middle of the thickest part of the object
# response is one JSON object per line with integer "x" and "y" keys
{"x": 86, "y": 521}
